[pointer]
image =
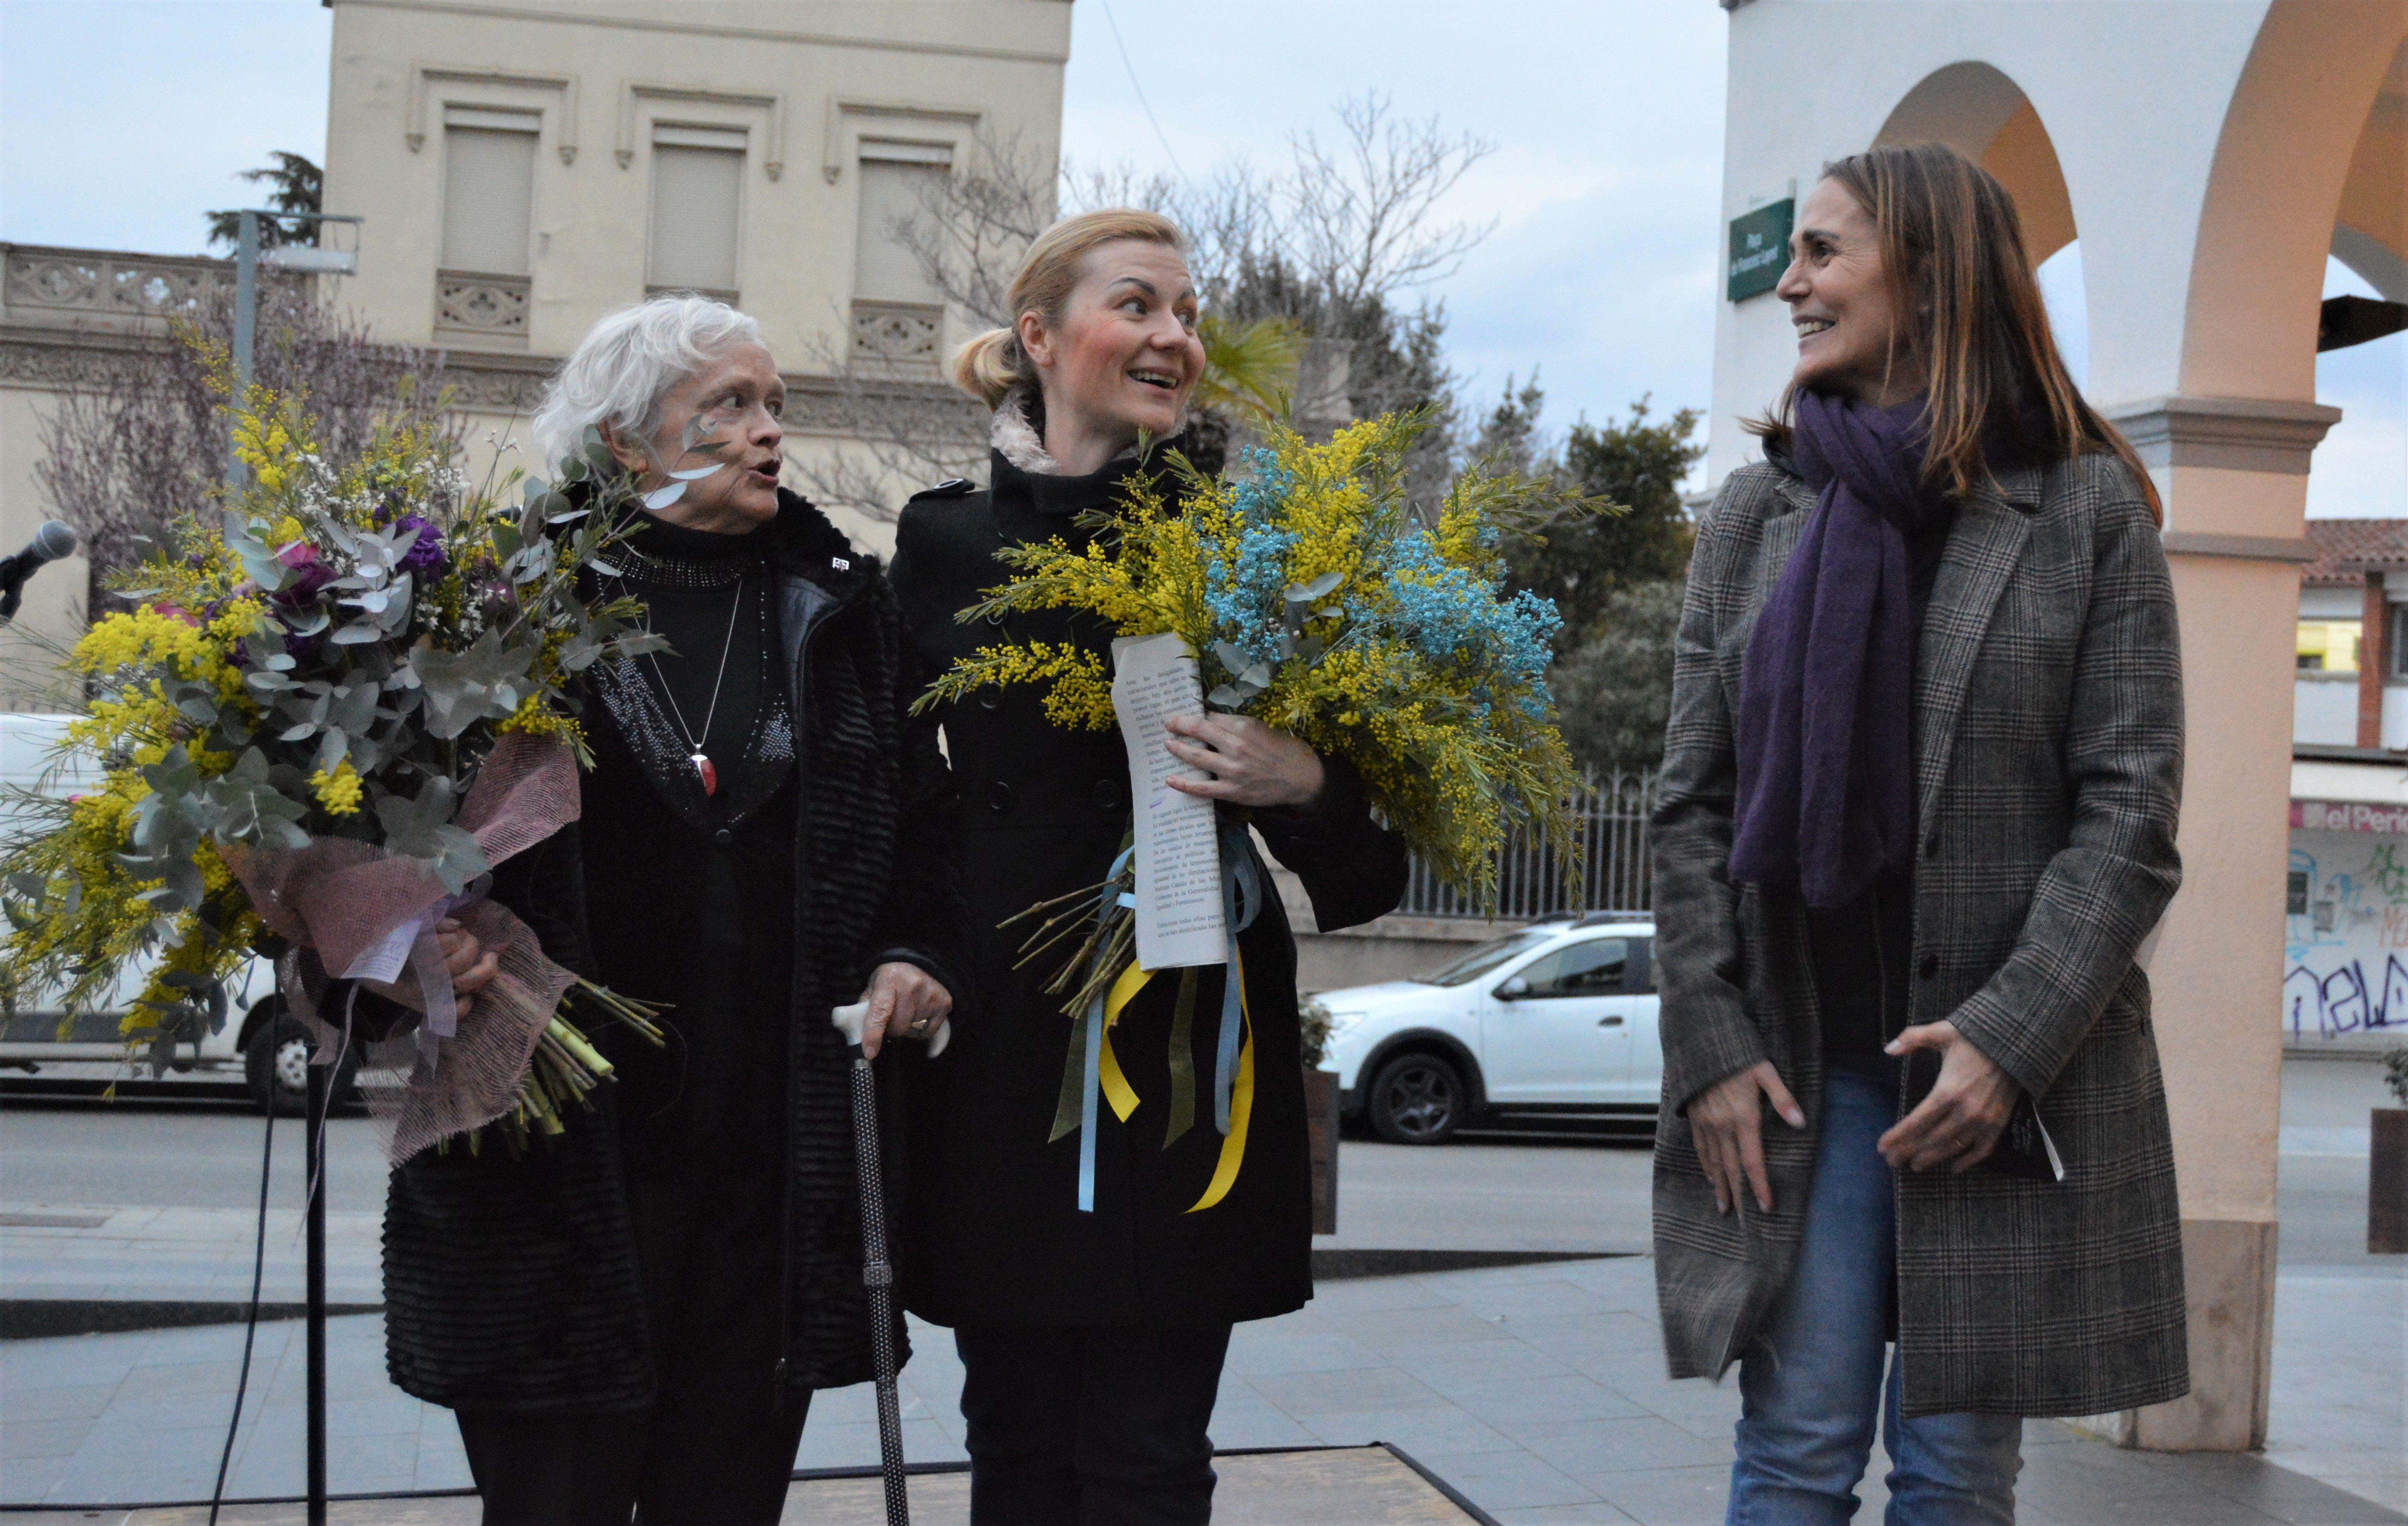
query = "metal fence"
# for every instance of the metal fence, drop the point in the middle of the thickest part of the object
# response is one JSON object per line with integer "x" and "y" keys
{"x": 1615, "y": 875}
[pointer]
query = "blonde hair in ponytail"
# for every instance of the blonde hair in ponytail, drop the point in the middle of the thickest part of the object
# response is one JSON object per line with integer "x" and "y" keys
{"x": 991, "y": 365}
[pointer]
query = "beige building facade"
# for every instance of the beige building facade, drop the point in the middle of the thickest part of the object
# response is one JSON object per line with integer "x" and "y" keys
{"x": 525, "y": 166}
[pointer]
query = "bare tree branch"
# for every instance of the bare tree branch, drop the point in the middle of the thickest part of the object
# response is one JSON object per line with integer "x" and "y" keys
{"x": 142, "y": 438}
{"x": 1360, "y": 215}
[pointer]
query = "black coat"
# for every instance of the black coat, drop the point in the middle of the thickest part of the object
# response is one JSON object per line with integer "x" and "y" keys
{"x": 513, "y": 1283}
{"x": 993, "y": 1232}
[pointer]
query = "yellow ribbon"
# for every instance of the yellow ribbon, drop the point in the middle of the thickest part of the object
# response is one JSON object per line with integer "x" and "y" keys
{"x": 1241, "y": 1095}
{"x": 1123, "y": 1097}
{"x": 1117, "y": 1090}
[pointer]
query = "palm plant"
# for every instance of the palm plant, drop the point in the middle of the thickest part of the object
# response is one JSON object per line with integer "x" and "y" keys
{"x": 1249, "y": 367}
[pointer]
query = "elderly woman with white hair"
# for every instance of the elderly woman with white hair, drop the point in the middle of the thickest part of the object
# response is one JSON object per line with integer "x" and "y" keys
{"x": 631, "y": 1318}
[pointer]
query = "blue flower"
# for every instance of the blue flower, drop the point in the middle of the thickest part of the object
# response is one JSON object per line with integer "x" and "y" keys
{"x": 1449, "y": 614}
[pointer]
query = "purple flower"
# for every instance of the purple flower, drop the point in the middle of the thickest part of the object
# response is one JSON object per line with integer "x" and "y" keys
{"x": 310, "y": 574}
{"x": 425, "y": 557}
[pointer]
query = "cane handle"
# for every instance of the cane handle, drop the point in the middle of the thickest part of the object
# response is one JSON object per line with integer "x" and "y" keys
{"x": 851, "y": 1020}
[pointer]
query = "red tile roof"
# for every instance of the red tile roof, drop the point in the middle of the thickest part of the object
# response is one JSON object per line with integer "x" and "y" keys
{"x": 2347, "y": 549}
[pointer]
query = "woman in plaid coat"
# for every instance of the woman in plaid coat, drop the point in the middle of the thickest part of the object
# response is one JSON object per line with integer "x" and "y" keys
{"x": 1918, "y": 809}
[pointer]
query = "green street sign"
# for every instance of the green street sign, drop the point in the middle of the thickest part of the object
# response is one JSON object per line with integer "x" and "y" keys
{"x": 1759, "y": 249}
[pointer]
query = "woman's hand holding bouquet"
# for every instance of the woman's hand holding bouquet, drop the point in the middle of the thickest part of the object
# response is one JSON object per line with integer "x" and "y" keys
{"x": 340, "y": 698}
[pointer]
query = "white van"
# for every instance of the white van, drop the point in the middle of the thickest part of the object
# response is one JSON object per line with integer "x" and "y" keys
{"x": 257, "y": 1043}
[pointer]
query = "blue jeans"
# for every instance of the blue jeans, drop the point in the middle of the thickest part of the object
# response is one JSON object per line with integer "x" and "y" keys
{"x": 1812, "y": 1383}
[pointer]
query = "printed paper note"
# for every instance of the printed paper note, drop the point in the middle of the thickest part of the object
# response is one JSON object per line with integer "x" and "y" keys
{"x": 1178, "y": 917}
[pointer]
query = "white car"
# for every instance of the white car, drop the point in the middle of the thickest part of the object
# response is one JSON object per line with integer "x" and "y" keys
{"x": 1557, "y": 1018}
{"x": 256, "y": 1041}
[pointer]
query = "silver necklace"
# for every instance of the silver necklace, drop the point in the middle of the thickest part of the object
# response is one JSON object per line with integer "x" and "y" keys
{"x": 704, "y": 768}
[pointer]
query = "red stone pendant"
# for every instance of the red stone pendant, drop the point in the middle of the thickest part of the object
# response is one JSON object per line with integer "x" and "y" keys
{"x": 709, "y": 772}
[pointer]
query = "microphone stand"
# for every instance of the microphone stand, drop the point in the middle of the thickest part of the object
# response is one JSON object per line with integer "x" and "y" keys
{"x": 322, "y": 1072}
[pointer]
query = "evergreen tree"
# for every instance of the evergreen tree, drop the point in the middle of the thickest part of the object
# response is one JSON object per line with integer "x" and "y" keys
{"x": 299, "y": 186}
{"x": 1636, "y": 464}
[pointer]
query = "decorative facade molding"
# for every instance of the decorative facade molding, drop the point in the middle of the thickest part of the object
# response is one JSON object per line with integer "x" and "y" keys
{"x": 2229, "y": 433}
{"x": 65, "y": 359}
{"x": 422, "y": 76}
{"x": 493, "y": 308}
{"x": 495, "y": 382}
{"x": 905, "y": 335}
{"x": 2246, "y": 548}
{"x": 774, "y": 101}
{"x": 38, "y": 282}
{"x": 832, "y": 147}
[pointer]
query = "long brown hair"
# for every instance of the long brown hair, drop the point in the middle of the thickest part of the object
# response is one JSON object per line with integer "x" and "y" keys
{"x": 1953, "y": 251}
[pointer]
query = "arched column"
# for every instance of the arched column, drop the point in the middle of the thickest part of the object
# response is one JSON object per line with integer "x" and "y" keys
{"x": 2221, "y": 406}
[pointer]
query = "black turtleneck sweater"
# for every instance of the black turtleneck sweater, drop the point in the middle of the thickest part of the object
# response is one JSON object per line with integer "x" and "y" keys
{"x": 690, "y": 903}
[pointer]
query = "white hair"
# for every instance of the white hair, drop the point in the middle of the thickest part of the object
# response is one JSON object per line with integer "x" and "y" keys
{"x": 627, "y": 363}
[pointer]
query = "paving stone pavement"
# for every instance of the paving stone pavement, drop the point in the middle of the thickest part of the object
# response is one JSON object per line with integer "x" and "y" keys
{"x": 1537, "y": 1391}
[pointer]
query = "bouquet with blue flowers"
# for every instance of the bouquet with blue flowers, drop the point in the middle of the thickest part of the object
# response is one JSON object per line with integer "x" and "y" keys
{"x": 1316, "y": 600}
{"x": 1319, "y": 602}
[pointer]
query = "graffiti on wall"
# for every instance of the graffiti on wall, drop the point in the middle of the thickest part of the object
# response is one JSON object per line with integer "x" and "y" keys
{"x": 2345, "y": 935}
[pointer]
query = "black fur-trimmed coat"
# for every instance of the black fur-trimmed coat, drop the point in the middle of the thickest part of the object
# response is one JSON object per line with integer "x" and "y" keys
{"x": 511, "y": 1283}
{"x": 993, "y": 1233}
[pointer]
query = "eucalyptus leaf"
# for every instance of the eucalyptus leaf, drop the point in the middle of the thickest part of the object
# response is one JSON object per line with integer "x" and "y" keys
{"x": 1233, "y": 657}
{"x": 1225, "y": 697}
{"x": 660, "y": 498}
{"x": 356, "y": 634}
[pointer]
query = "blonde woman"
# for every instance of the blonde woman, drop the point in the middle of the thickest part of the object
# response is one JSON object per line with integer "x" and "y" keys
{"x": 1093, "y": 1341}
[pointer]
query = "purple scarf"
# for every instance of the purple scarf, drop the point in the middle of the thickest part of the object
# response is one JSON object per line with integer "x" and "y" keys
{"x": 1825, "y": 787}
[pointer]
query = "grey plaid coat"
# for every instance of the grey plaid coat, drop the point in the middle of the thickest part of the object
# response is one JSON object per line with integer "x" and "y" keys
{"x": 2048, "y": 750}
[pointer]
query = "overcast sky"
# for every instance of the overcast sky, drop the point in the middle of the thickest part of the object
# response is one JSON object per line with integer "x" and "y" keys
{"x": 122, "y": 120}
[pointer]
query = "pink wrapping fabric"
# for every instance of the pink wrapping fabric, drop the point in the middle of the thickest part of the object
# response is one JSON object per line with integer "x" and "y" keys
{"x": 338, "y": 899}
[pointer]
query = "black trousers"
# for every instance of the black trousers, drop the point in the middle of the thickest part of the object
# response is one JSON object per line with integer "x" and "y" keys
{"x": 717, "y": 1447}
{"x": 1080, "y": 1426}
{"x": 664, "y": 1466}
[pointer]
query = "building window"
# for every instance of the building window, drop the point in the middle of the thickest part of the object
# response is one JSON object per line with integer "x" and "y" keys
{"x": 2329, "y": 646}
{"x": 481, "y": 291}
{"x": 898, "y": 313}
{"x": 697, "y": 176}
{"x": 2395, "y": 644}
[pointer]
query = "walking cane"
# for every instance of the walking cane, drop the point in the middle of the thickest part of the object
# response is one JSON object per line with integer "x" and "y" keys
{"x": 877, "y": 1274}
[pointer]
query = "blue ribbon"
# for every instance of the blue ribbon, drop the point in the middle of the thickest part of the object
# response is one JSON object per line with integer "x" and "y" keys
{"x": 1091, "y": 1096}
{"x": 1241, "y": 899}
{"x": 1089, "y": 1104}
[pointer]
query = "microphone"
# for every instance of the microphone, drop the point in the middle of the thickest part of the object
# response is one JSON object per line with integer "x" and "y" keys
{"x": 50, "y": 542}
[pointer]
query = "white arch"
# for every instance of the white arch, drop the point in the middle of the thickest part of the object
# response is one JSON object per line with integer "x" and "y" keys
{"x": 1979, "y": 110}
